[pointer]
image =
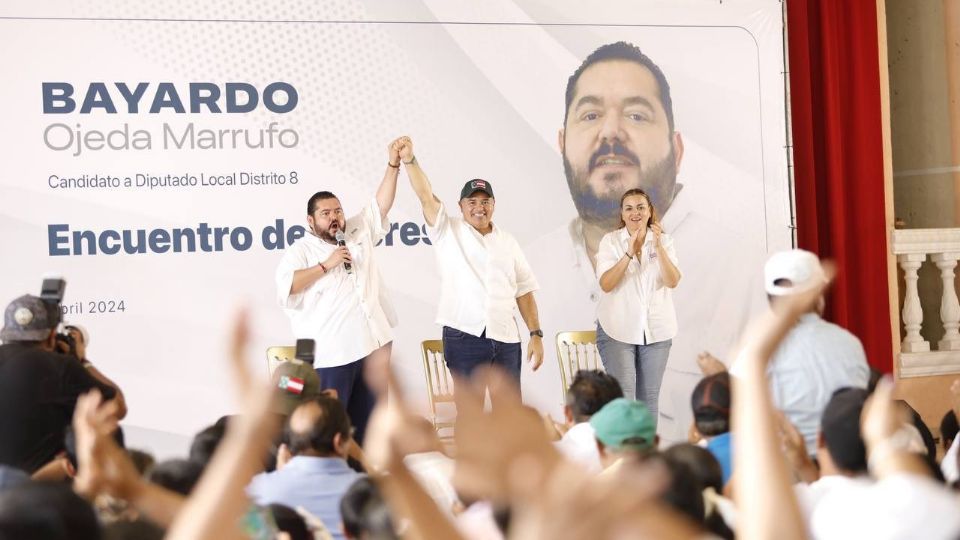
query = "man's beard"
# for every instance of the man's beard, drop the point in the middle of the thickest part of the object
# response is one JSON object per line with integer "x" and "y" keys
{"x": 326, "y": 235}
{"x": 657, "y": 181}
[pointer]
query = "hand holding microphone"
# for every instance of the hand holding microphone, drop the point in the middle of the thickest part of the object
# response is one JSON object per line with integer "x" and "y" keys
{"x": 342, "y": 245}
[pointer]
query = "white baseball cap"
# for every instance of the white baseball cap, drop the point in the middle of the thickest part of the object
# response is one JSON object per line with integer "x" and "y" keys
{"x": 801, "y": 268}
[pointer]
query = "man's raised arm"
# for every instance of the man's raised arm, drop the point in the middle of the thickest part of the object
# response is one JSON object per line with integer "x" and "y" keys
{"x": 388, "y": 186}
{"x": 418, "y": 179}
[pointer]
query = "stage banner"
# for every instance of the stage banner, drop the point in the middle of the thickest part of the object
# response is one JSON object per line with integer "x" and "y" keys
{"x": 160, "y": 157}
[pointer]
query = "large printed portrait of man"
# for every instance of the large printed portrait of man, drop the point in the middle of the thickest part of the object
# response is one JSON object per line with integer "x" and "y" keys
{"x": 619, "y": 133}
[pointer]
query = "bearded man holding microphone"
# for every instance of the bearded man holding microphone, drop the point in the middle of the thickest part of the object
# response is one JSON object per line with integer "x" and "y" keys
{"x": 330, "y": 288}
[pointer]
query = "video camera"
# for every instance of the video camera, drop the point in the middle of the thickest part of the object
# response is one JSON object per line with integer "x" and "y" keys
{"x": 51, "y": 292}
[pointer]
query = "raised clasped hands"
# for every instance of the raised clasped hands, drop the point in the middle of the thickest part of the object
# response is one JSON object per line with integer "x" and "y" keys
{"x": 393, "y": 153}
{"x": 403, "y": 146}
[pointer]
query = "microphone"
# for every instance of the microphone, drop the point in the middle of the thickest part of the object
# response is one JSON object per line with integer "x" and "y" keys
{"x": 341, "y": 243}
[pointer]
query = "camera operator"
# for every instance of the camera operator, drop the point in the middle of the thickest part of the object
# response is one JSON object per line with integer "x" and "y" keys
{"x": 39, "y": 386}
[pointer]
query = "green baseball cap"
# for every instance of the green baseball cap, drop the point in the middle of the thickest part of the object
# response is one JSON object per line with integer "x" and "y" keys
{"x": 625, "y": 424}
{"x": 294, "y": 382}
{"x": 475, "y": 185}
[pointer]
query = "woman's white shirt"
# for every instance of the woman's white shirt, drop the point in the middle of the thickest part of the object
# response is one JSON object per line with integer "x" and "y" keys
{"x": 639, "y": 310}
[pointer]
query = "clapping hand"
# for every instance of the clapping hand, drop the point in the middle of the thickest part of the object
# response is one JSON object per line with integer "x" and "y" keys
{"x": 102, "y": 466}
{"x": 636, "y": 242}
{"x": 657, "y": 232}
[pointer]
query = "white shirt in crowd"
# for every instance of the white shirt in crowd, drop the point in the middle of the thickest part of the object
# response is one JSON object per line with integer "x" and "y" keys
{"x": 639, "y": 310}
{"x": 809, "y": 496}
{"x": 903, "y": 506}
{"x": 579, "y": 444}
{"x": 481, "y": 277}
{"x": 815, "y": 359}
{"x": 347, "y": 314}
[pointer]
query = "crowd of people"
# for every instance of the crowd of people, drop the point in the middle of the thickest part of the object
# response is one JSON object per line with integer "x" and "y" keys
{"x": 288, "y": 464}
{"x": 797, "y": 439}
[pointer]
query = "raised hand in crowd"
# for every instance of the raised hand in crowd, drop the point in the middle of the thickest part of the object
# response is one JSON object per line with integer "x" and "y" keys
{"x": 218, "y": 502}
{"x": 505, "y": 456}
{"x": 393, "y": 433}
{"x": 103, "y": 468}
{"x": 491, "y": 444}
{"x": 883, "y": 423}
{"x": 762, "y": 483}
{"x": 710, "y": 364}
{"x": 93, "y": 422}
{"x": 795, "y": 450}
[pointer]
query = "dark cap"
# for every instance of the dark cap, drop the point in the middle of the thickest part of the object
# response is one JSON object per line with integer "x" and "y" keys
{"x": 840, "y": 427}
{"x": 475, "y": 185}
{"x": 27, "y": 319}
{"x": 295, "y": 382}
{"x": 711, "y": 397}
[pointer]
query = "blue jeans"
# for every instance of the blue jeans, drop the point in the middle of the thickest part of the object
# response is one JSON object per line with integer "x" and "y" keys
{"x": 464, "y": 353}
{"x": 638, "y": 368}
{"x": 353, "y": 393}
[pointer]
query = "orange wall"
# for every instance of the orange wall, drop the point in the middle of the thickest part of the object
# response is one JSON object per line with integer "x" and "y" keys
{"x": 929, "y": 396}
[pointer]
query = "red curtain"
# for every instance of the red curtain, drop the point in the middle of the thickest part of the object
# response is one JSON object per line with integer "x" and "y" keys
{"x": 838, "y": 160}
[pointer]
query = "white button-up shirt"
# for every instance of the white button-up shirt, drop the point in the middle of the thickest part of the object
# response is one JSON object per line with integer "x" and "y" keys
{"x": 639, "y": 310}
{"x": 815, "y": 359}
{"x": 481, "y": 277}
{"x": 347, "y": 315}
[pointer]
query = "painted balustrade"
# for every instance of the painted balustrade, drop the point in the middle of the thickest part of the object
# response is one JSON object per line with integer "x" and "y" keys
{"x": 913, "y": 248}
